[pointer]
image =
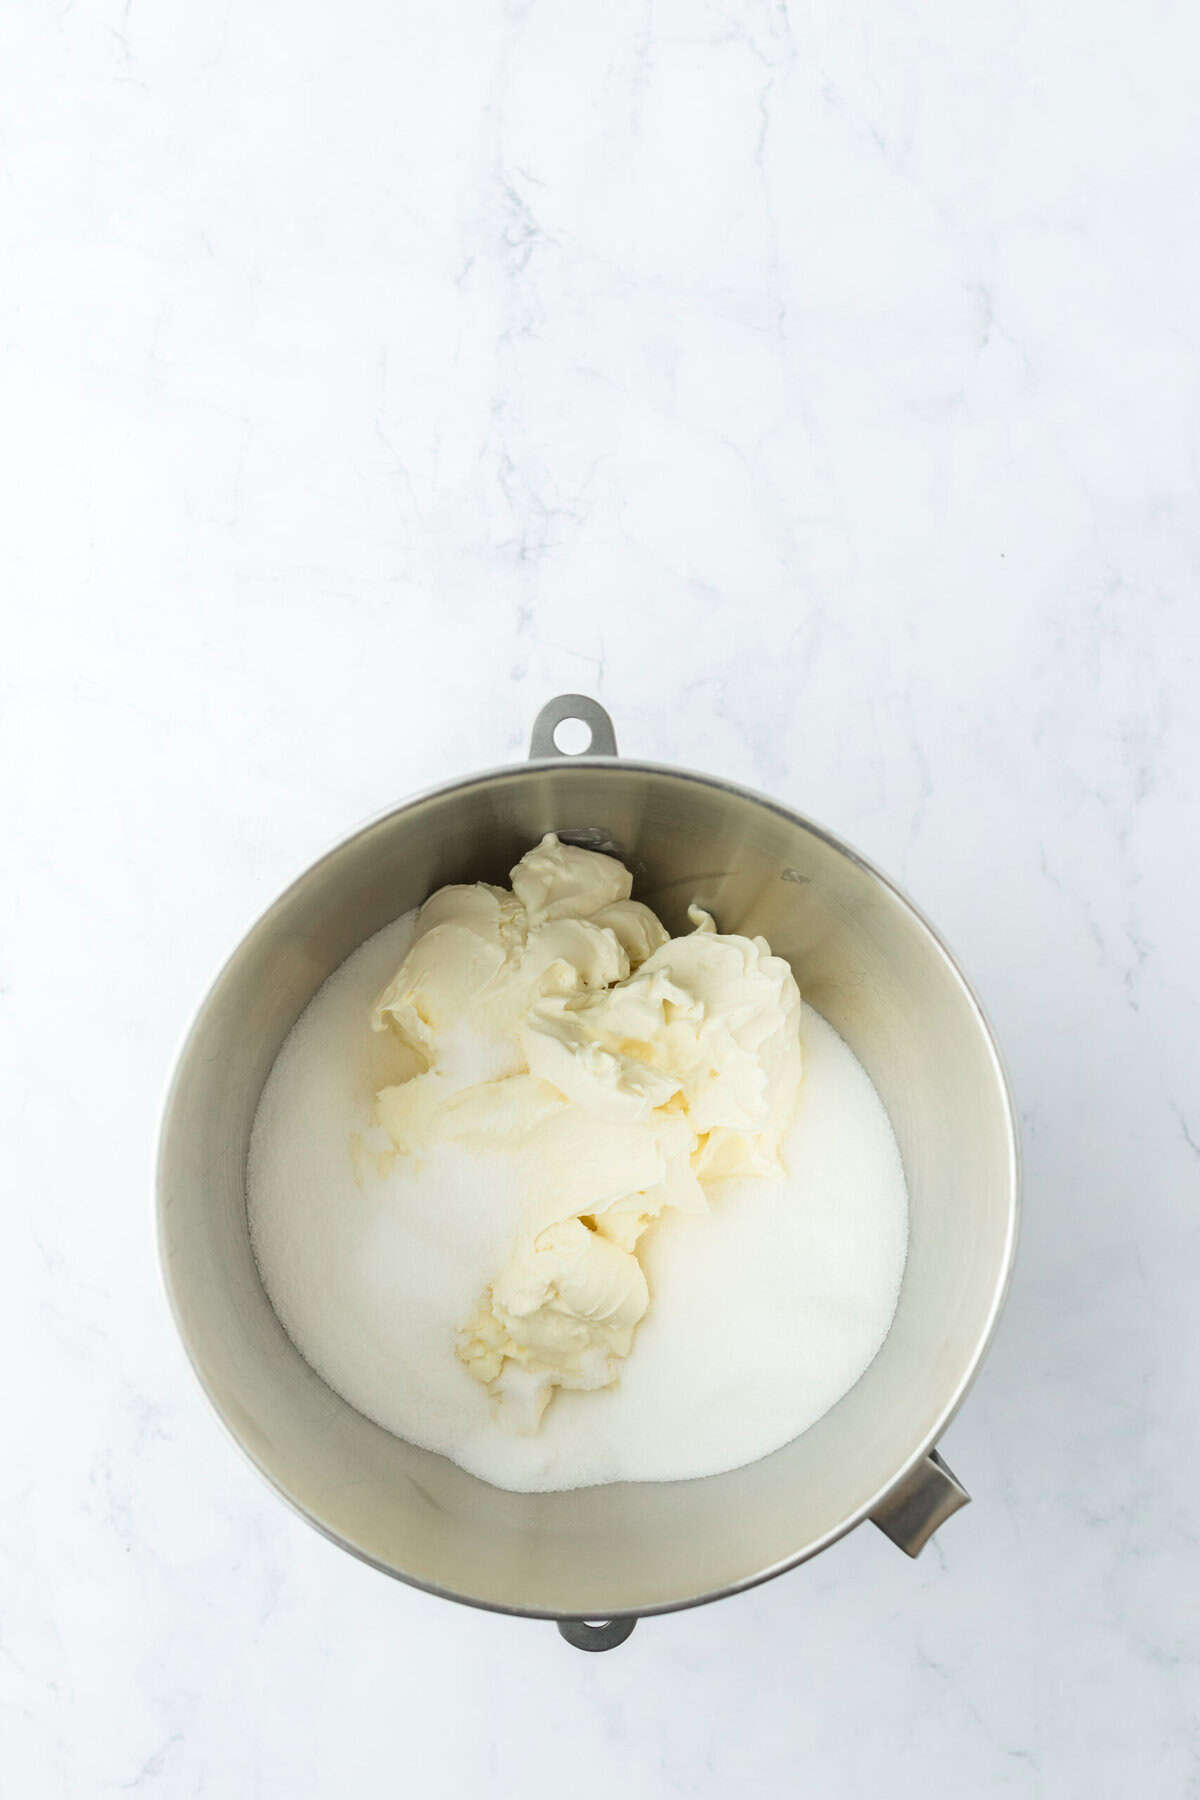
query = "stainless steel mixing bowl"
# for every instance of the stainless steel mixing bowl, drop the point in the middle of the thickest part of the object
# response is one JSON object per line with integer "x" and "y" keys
{"x": 597, "y": 1558}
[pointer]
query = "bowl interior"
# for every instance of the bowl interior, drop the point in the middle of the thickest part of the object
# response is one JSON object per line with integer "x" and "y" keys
{"x": 861, "y": 955}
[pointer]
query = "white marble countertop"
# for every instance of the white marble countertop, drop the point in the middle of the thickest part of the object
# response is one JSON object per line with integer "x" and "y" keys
{"x": 814, "y": 384}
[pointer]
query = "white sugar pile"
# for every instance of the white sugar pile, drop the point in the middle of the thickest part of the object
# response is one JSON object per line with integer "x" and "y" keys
{"x": 764, "y": 1312}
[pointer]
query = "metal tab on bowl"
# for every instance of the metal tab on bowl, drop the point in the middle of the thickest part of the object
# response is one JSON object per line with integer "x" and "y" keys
{"x": 595, "y": 1634}
{"x": 588, "y": 712}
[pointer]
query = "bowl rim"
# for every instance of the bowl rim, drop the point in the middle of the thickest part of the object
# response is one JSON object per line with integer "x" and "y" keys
{"x": 615, "y": 764}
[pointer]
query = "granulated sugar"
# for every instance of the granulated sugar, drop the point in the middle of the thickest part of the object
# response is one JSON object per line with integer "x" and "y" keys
{"x": 765, "y": 1310}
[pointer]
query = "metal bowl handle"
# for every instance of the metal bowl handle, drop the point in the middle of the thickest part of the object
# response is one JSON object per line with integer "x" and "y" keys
{"x": 572, "y": 706}
{"x": 925, "y": 1499}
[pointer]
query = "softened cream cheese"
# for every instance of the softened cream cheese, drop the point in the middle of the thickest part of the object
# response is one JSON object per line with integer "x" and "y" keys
{"x": 632, "y": 1069}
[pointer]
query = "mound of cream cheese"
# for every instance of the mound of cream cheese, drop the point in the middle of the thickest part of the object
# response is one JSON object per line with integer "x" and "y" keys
{"x": 617, "y": 1069}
